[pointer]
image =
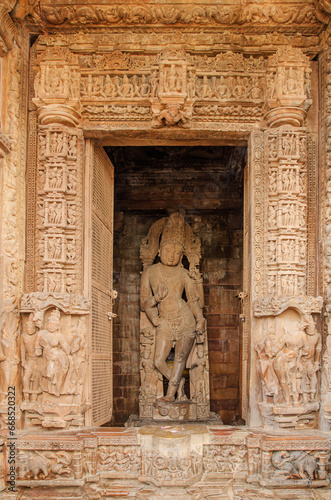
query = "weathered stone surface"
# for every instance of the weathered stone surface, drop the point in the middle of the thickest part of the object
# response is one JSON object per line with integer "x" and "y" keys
{"x": 177, "y": 75}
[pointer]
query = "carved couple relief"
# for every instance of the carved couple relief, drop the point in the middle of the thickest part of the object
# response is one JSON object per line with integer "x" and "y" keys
{"x": 54, "y": 361}
{"x": 288, "y": 363}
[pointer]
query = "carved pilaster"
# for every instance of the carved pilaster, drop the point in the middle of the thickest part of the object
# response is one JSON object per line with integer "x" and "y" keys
{"x": 12, "y": 209}
{"x": 54, "y": 338}
{"x": 286, "y": 339}
{"x": 325, "y": 228}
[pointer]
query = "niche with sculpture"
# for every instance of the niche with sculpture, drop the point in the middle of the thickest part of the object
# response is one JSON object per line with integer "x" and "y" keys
{"x": 172, "y": 320}
{"x": 288, "y": 365}
{"x": 54, "y": 361}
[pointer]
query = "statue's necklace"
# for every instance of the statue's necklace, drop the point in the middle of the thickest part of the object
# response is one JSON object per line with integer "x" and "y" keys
{"x": 170, "y": 273}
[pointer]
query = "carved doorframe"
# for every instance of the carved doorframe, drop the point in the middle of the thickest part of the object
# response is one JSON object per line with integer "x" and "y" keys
{"x": 68, "y": 114}
{"x": 254, "y": 179}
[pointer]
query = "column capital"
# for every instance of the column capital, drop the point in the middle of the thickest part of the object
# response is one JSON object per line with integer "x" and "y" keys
{"x": 288, "y": 82}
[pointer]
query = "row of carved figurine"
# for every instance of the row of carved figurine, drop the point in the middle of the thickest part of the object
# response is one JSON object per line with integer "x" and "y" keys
{"x": 56, "y": 178}
{"x": 287, "y": 251}
{"x": 57, "y": 248}
{"x": 58, "y": 143}
{"x": 57, "y": 213}
{"x": 287, "y": 179}
{"x": 287, "y": 284}
{"x": 214, "y": 87}
{"x": 287, "y": 144}
{"x": 130, "y": 459}
{"x": 56, "y": 280}
{"x": 287, "y": 215}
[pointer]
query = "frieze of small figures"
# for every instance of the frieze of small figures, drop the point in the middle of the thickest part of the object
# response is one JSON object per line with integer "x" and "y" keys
{"x": 119, "y": 459}
{"x": 55, "y": 144}
{"x": 170, "y": 470}
{"x": 225, "y": 459}
{"x": 114, "y": 112}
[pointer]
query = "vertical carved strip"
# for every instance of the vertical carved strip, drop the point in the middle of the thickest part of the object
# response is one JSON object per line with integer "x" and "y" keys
{"x": 257, "y": 222}
{"x": 286, "y": 258}
{"x": 59, "y": 207}
{"x": 31, "y": 203}
{"x": 13, "y": 219}
{"x": 256, "y": 188}
{"x": 246, "y": 324}
{"x": 312, "y": 261}
{"x": 325, "y": 231}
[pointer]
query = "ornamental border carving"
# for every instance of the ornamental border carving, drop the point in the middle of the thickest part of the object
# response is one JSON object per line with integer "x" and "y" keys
{"x": 254, "y": 15}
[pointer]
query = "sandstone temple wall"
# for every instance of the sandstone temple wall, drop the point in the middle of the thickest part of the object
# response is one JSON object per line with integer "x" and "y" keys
{"x": 76, "y": 78}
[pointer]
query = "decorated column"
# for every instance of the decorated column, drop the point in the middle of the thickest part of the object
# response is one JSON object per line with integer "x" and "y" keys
{"x": 54, "y": 336}
{"x": 287, "y": 344}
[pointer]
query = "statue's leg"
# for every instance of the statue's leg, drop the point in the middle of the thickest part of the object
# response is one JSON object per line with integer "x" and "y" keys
{"x": 182, "y": 350}
{"x": 163, "y": 345}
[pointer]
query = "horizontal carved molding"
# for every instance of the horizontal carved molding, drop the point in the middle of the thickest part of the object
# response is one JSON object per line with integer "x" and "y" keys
{"x": 289, "y": 15}
{"x": 68, "y": 303}
{"x": 272, "y": 306}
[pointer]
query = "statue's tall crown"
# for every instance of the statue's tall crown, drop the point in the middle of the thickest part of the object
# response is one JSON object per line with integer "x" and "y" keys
{"x": 174, "y": 230}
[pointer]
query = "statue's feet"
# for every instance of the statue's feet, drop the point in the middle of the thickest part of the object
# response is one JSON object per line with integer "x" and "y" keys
{"x": 181, "y": 396}
{"x": 166, "y": 399}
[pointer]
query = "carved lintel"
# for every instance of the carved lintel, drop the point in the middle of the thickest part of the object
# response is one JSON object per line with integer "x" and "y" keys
{"x": 273, "y": 306}
{"x": 7, "y": 31}
{"x": 4, "y": 145}
{"x": 171, "y": 15}
{"x": 67, "y": 302}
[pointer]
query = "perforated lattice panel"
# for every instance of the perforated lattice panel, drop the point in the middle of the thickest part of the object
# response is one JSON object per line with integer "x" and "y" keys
{"x": 102, "y": 248}
{"x": 102, "y": 391}
{"x": 102, "y": 275}
{"x": 101, "y": 331}
{"x": 102, "y": 198}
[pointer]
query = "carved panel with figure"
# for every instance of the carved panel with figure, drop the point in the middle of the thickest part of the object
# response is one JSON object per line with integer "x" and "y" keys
{"x": 171, "y": 324}
{"x": 288, "y": 364}
{"x": 54, "y": 360}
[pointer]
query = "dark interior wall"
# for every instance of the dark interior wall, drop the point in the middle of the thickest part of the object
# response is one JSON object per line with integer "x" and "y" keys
{"x": 205, "y": 182}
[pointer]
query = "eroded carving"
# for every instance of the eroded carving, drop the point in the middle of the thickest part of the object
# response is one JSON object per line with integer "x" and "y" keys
{"x": 54, "y": 364}
{"x": 289, "y": 361}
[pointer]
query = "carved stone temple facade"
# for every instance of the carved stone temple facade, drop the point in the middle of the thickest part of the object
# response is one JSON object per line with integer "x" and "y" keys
{"x": 165, "y": 250}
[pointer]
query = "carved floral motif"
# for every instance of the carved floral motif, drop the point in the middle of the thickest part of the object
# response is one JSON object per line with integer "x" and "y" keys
{"x": 191, "y": 14}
